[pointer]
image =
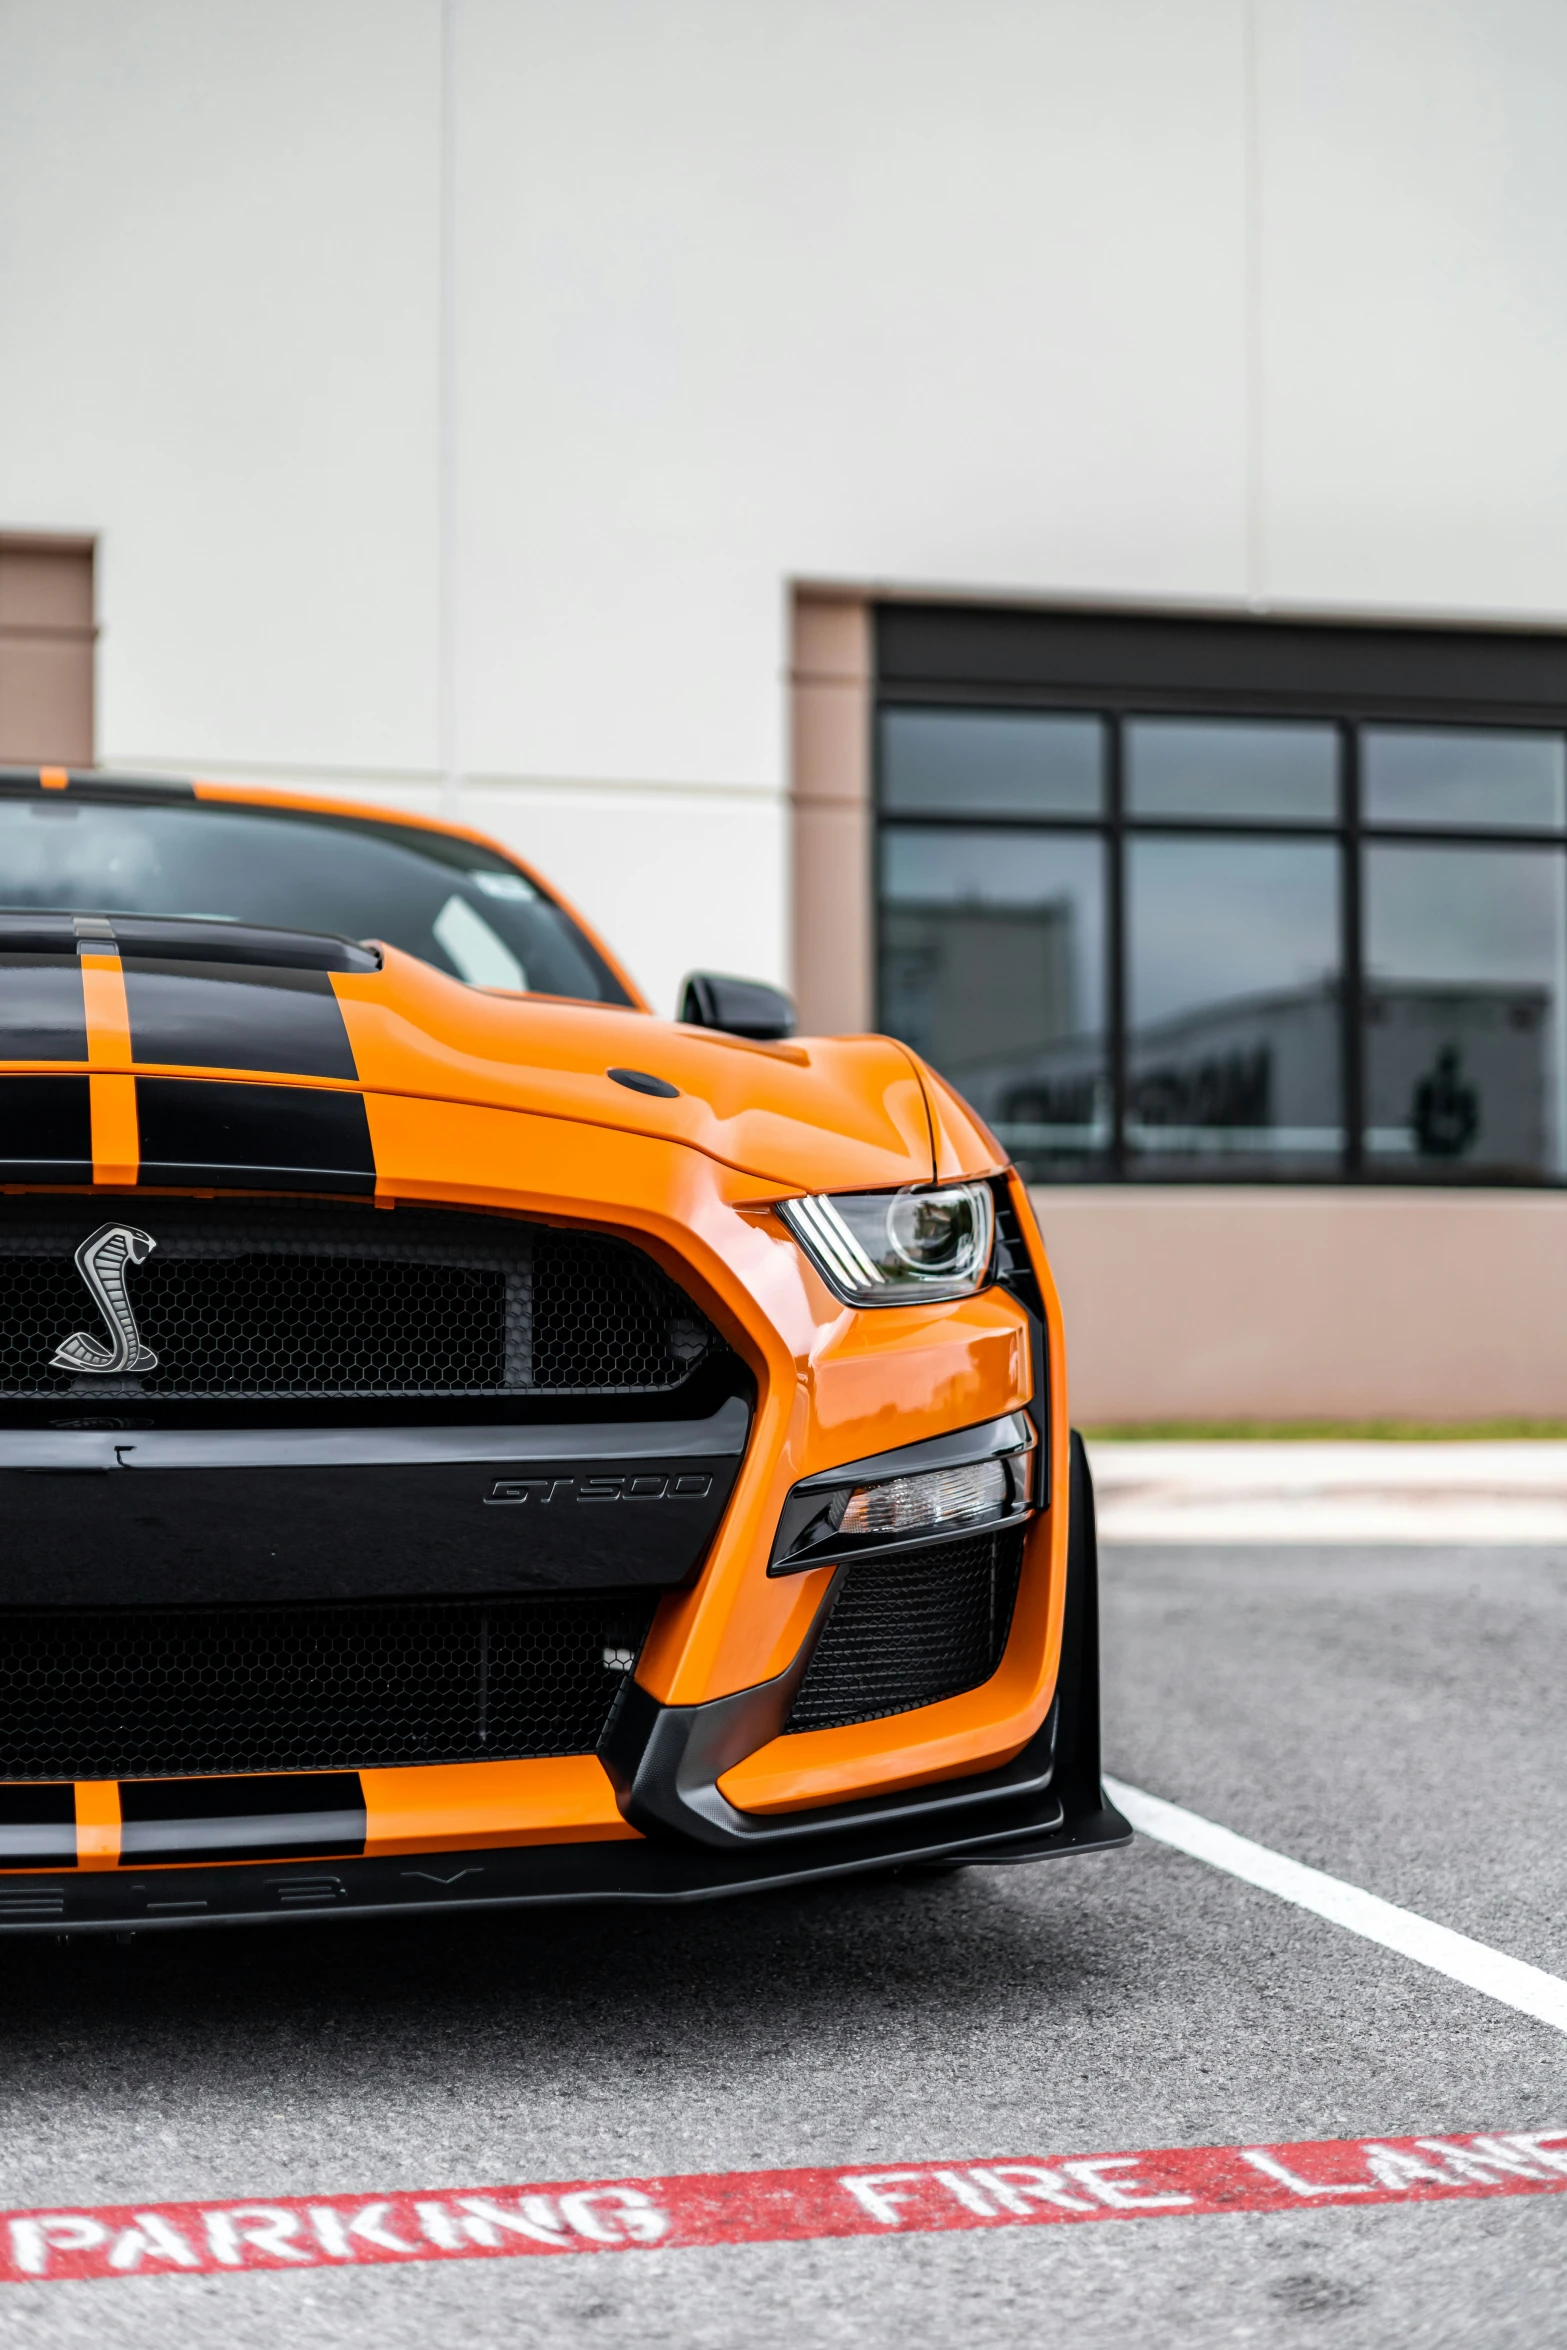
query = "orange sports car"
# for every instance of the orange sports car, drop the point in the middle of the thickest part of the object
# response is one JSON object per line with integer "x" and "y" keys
{"x": 466, "y": 1441}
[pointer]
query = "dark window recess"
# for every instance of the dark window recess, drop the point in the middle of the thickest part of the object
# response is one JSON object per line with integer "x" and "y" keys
{"x": 166, "y": 1693}
{"x": 1230, "y": 899}
{"x": 250, "y": 1301}
{"x": 906, "y": 1632}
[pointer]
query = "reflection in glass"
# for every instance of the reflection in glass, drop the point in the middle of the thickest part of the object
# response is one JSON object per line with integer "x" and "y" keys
{"x": 1234, "y": 1053}
{"x": 992, "y": 967}
{"x": 991, "y": 763}
{"x": 1253, "y": 772}
{"x": 449, "y": 901}
{"x": 1485, "y": 776}
{"x": 1466, "y": 972}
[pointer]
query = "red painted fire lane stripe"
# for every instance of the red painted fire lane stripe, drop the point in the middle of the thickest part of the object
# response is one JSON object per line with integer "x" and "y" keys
{"x": 770, "y": 2207}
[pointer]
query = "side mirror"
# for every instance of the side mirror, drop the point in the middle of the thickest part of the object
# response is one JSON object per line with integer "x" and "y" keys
{"x": 741, "y": 1007}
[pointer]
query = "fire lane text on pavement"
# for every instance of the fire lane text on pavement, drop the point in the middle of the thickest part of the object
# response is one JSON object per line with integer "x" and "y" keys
{"x": 768, "y": 2206}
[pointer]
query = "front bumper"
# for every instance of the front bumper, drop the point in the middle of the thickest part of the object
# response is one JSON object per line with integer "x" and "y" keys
{"x": 1047, "y": 1802}
{"x": 535, "y": 1876}
{"x": 127, "y": 1515}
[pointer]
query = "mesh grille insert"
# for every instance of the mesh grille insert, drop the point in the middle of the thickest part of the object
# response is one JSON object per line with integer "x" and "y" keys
{"x": 159, "y": 1693}
{"x": 638, "y": 1331}
{"x": 906, "y": 1632}
{"x": 324, "y": 1324}
{"x": 252, "y": 1300}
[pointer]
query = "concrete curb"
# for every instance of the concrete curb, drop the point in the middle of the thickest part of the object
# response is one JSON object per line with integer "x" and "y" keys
{"x": 1479, "y": 1493}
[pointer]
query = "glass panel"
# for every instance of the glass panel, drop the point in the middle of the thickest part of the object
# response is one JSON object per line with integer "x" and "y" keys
{"x": 447, "y": 900}
{"x": 1466, "y": 971}
{"x": 1232, "y": 769}
{"x": 992, "y": 966}
{"x": 991, "y": 763}
{"x": 1234, "y": 1050}
{"x": 1463, "y": 775}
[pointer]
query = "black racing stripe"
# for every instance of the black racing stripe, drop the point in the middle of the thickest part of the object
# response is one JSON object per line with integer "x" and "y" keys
{"x": 42, "y": 1013}
{"x": 281, "y": 1816}
{"x": 38, "y": 1801}
{"x": 38, "y": 1825}
{"x": 237, "y": 1016}
{"x": 290, "y": 1792}
{"x": 45, "y": 1130}
{"x": 198, "y": 1131}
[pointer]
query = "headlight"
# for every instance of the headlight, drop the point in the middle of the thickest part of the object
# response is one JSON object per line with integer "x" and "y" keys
{"x": 896, "y": 1248}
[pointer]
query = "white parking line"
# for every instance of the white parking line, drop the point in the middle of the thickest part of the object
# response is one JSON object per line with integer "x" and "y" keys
{"x": 1528, "y": 1988}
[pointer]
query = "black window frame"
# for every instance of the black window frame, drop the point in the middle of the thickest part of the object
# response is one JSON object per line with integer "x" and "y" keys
{"x": 1120, "y": 666}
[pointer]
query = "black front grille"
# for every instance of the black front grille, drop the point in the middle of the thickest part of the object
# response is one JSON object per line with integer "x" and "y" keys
{"x": 266, "y": 1324}
{"x": 590, "y": 1333}
{"x": 177, "y": 1692}
{"x": 243, "y": 1300}
{"x": 906, "y": 1632}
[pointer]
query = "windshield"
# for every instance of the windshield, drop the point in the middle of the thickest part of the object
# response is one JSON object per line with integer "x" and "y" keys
{"x": 451, "y": 902}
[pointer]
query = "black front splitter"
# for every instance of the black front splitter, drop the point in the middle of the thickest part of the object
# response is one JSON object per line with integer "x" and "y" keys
{"x": 537, "y": 1875}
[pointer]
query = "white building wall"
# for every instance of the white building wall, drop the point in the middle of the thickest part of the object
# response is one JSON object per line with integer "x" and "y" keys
{"x": 1165, "y": 299}
{"x": 1412, "y": 213}
{"x": 217, "y": 350}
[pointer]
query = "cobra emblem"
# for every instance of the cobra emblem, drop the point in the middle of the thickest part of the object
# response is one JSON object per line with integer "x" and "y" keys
{"x": 102, "y": 1261}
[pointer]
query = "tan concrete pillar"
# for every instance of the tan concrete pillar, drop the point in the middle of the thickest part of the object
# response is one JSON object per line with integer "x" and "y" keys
{"x": 830, "y": 703}
{"x": 46, "y": 650}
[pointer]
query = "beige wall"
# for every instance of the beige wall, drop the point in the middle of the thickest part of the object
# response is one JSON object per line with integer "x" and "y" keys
{"x": 830, "y": 812}
{"x": 1209, "y": 1304}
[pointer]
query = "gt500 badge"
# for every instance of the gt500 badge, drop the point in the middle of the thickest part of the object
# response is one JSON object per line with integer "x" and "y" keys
{"x": 644, "y": 1486}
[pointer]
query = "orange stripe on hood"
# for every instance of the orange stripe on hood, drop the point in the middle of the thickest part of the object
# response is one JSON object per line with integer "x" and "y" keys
{"x": 116, "y": 1147}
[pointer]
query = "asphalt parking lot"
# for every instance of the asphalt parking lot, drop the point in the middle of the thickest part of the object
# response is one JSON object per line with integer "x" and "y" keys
{"x": 1391, "y": 1715}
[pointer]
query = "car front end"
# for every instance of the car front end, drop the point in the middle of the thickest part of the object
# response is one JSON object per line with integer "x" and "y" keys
{"x": 464, "y": 1449}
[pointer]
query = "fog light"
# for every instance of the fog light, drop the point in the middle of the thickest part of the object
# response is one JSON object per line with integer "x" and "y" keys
{"x": 920, "y": 1505}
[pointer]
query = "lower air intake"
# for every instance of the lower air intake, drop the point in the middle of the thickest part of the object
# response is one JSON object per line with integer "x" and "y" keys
{"x": 906, "y": 1632}
{"x": 180, "y": 1692}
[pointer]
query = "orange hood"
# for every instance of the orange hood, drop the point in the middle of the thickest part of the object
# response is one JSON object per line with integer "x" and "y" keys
{"x": 844, "y": 1112}
{"x": 282, "y": 1033}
